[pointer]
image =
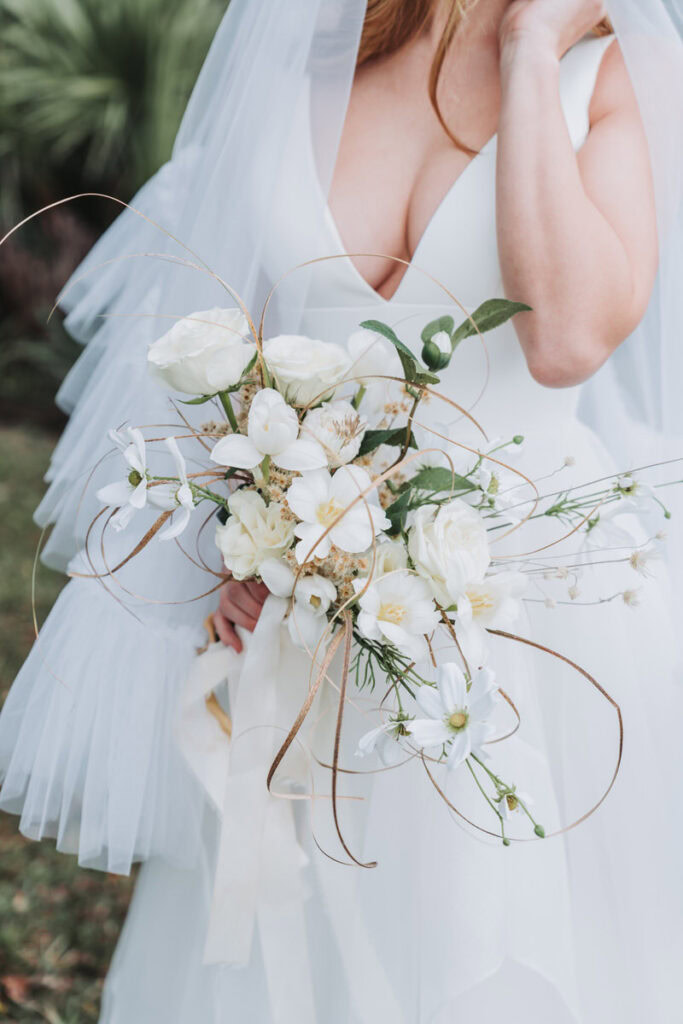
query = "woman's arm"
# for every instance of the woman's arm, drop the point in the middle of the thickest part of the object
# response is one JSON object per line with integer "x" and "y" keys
{"x": 577, "y": 233}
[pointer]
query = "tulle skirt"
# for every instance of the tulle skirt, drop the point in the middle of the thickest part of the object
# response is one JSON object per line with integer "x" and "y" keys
{"x": 450, "y": 925}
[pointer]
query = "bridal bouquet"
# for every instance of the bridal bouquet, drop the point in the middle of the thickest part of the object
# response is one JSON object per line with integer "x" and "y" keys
{"x": 376, "y": 529}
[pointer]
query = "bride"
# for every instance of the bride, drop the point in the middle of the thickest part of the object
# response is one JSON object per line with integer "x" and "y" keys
{"x": 491, "y": 146}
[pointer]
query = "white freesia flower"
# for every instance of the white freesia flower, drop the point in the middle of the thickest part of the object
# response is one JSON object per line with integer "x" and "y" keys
{"x": 176, "y": 494}
{"x": 385, "y": 741}
{"x": 492, "y": 603}
{"x": 399, "y": 608}
{"x": 456, "y": 717}
{"x": 253, "y": 532}
{"x": 338, "y": 427}
{"x": 449, "y": 548}
{"x": 273, "y": 430}
{"x": 372, "y": 358}
{"x": 318, "y": 498}
{"x": 313, "y": 596}
{"x": 132, "y": 493}
{"x": 203, "y": 353}
{"x": 305, "y": 369}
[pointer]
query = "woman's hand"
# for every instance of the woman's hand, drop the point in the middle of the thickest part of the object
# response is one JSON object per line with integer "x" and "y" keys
{"x": 240, "y": 605}
{"x": 554, "y": 24}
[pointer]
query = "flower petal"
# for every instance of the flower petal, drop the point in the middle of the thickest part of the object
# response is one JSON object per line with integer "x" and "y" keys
{"x": 427, "y": 732}
{"x": 452, "y": 687}
{"x": 302, "y": 455}
{"x": 277, "y": 576}
{"x": 236, "y": 451}
{"x": 430, "y": 702}
{"x": 115, "y": 494}
{"x": 460, "y": 749}
{"x": 176, "y": 524}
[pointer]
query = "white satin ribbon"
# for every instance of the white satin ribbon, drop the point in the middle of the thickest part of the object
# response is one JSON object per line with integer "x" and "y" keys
{"x": 258, "y": 872}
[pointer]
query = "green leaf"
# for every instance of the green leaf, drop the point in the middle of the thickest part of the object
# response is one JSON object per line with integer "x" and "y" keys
{"x": 408, "y": 360}
{"x": 397, "y": 512}
{"x": 196, "y": 401}
{"x": 425, "y": 377}
{"x": 393, "y": 436}
{"x": 439, "y": 478}
{"x": 488, "y": 316}
{"x": 444, "y": 323}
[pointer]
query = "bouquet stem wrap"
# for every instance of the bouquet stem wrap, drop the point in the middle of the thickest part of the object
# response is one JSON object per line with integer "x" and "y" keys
{"x": 258, "y": 880}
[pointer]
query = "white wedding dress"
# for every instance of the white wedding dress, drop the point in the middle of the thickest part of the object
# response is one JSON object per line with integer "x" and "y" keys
{"x": 449, "y": 927}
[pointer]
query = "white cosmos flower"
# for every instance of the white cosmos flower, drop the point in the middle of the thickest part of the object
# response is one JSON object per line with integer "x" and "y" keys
{"x": 638, "y": 495}
{"x": 203, "y": 353}
{"x": 490, "y": 603}
{"x": 385, "y": 741}
{"x": 273, "y": 429}
{"x": 176, "y": 494}
{"x": 604, "y": 531}
{"x": 313, "y": 596}
{"x": 456, "y": 717}
{"x": 399, "y": 608}
{"x": 448, "y": 545}
{"x": 253, "y": 533}
{"x": 318, "y": 498}
{"x": 338, "y": 427}
{"x": 133, "y": 492}
{"x": 305, "y": 369}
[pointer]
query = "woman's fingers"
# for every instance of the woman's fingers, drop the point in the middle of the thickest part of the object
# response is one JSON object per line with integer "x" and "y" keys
{"x": 259, "y": 591}
{"x": 236, "y": 595}
{"x": 226, "y": 632}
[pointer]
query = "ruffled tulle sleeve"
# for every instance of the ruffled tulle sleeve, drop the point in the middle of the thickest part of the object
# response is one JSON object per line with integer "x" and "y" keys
{"x": 87, "y": 750}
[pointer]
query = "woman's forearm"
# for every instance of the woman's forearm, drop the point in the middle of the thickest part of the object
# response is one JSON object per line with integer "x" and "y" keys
{"x": 559, "y": 253}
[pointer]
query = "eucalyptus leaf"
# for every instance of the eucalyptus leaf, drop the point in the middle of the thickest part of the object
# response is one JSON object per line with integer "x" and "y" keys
{"x": 491, "y": 314}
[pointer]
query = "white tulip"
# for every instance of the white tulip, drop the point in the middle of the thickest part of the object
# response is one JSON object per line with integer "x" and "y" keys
{"x": 273, "y": 430}
{"x": 339, "y": 428}
{"x": 456, "y": 717}
{"x": 203, "y": 353}
{"x": 305, "y": 369}
{"x": 318, "y": 498}
{"x": 399, "y": 608}
{"x": 449, "y": 548}
{"x": 253, "y": 533}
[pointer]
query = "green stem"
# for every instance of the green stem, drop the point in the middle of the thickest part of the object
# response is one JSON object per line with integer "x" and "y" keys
{"x": 229, "y": 411}
{"x": 358, "y": 397}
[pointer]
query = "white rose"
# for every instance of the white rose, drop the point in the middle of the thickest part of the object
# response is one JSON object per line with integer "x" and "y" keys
{"x": 449, "y": 548}
{"x": 303, "y": 367}
{"x": 390, "y": 556}
{"x": 254, "y": 532}
{"x": 339, "y": 428}
{"x": 203, "y": 353}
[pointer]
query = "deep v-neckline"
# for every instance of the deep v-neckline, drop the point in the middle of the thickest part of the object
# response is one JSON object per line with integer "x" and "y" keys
{"x": 412, "y": 262}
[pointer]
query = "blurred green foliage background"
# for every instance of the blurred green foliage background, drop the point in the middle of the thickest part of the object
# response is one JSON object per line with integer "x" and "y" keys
{"x": 91, "y": 95}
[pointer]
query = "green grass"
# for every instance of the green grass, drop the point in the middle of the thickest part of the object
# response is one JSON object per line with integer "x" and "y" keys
{"x": 58, "y": 923}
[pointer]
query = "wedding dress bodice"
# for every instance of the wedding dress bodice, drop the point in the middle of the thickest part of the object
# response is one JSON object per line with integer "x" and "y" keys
{"x": 458, "y": 248}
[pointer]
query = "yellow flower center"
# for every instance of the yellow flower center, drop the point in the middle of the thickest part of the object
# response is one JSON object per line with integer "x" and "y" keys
{"x": 392, "y": 613}
{"x": 458, "y": 720}
{"x": 328, "y": 512}
{"x": 314, "y": 600}
{"x": 481, "y": 602}
{"x": 512, "y": 802}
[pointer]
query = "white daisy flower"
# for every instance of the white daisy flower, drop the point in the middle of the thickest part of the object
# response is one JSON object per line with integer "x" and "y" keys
{"x": 385, "y": 742}
{"x": 457, "y": 718}
{"x": 133, "y": 492}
